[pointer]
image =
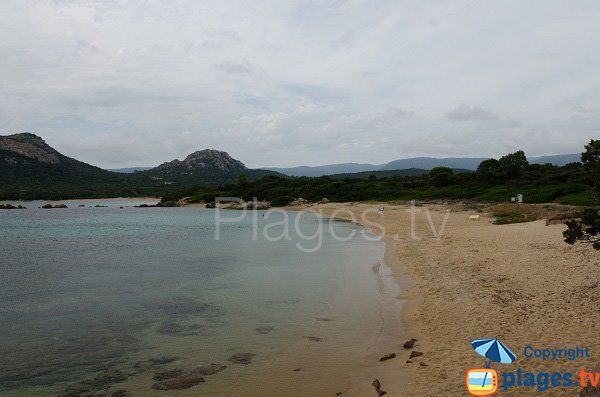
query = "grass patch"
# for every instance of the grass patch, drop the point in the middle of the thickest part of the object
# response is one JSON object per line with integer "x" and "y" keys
{"x": 520, "y": 213}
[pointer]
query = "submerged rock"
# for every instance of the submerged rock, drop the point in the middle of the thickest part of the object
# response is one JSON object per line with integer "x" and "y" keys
{"x": 120, "y": 393}
{"x": 100, "y": 382}
{"x": 241, "y": 358}
{"x": 152, "y": 364}
{"x": 162, "y": 360}
{"x": 314, "y": 338}
{"x": 179, "y": 383}
{"x": 185, "y": 305}
{"x": 169, "y": 374}
{"x": 207, "y": 370}
{"x": 172, "y": 328}
{"x": 264, "y": 329}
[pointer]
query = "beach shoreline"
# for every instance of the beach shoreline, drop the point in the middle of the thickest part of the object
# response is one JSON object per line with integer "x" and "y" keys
{"x": 535, "y": 285}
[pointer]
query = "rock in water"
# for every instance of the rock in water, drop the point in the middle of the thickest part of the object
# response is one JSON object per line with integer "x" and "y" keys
{"x": 208, "y": 370}
{"x": 264, "y": 329}
{"x": 162, "y": 360}
{"x": 242, "y": 358}
{"x": 172, "y": 328}
{"x": 409, "y": 344}
{"x": 180, "y": 383}
{"x": 169, "y": 374}
{"x": 377, "y": 385}
{"x": 314, "y": 338}
{"x": 388, "y": 357}
{"x": 415, "y": 354}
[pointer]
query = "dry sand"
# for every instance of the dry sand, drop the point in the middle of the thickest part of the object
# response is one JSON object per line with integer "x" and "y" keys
{"x": 518, "y": 282}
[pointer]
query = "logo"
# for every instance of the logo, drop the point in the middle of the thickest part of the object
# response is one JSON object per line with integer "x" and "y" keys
{"x": 482, "y": 381}
{"x": 485, "y": 381}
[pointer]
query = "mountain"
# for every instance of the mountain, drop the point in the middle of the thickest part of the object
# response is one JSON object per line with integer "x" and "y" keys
{"x": 204, "y": 167}
{"x": 129, "y": 170}
{"x": 557, "y": 159}
{"x": 389, "y": 173}
{"x": 329, "y": 169}
{"x": 32, "y": 169}
{"x": 427, "y": 163}
{"x": 414, "y": 163}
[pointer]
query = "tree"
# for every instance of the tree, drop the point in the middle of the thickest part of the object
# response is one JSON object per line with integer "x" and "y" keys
{"x": 511, "y": 165}
{"x": 242, "y": 180}
{"x": 586, "y": 228}
{"x": 488, "y": 170}
{"x": 441, "y": 176}
{"x": 591, "y": 162}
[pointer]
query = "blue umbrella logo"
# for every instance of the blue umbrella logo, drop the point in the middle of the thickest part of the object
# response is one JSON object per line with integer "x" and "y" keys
{"x": 493, "y": 350}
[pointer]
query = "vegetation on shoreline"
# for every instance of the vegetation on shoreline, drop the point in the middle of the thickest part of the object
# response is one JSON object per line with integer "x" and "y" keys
{"x": 494, "y": 180}
{"x": 585, "y": 227}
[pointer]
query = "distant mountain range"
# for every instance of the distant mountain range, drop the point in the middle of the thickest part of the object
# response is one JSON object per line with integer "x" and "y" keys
{"x": 420, "y": 163}
{"x": 130, "y": 170}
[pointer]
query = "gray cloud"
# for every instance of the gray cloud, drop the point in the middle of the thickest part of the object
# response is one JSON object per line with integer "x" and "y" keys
{"x": 468, "y": 113}
{"x": 231, "y": 67}
{"x": 136, "y": 83}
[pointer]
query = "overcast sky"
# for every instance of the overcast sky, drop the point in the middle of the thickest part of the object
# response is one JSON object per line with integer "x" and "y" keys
{"x": 283, "y": 83}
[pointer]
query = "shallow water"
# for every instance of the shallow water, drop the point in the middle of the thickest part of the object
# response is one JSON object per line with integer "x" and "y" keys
{"x": 85, "y": 290}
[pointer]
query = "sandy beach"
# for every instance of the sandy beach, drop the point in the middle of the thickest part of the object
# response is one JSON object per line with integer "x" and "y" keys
{"x": 518, "y": 282}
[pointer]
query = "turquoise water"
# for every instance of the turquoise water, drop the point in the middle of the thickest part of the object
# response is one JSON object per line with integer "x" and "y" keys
{"x": 85, "y": 290}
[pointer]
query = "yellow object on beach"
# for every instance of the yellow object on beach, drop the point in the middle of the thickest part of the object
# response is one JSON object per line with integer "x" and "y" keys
{"x": 473, "y": 217}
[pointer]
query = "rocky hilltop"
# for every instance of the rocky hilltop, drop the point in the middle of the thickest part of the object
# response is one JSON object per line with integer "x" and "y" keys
{"x": 202, "y": 159}
{"x": 29, "y": 146}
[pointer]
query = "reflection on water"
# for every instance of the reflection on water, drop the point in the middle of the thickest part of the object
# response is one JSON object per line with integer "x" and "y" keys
{"x": 114, "y": 301}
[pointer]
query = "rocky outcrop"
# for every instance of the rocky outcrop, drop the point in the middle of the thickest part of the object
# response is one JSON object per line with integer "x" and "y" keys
{"x": 299, "y": 202}
{"x": 46, "y": 206}
{"x": 203, "y": 159}
{"x": 11, "y": 207}
{"x": 244, "y": 205}
{"x": 248, "y": 205}
{"x": 30, "y": 146}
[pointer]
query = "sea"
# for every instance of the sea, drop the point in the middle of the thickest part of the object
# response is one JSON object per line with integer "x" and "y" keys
{"x": 107, "y": 299}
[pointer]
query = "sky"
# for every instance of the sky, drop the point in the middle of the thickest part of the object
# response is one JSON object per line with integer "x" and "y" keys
{"x": 285, "y": 83}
